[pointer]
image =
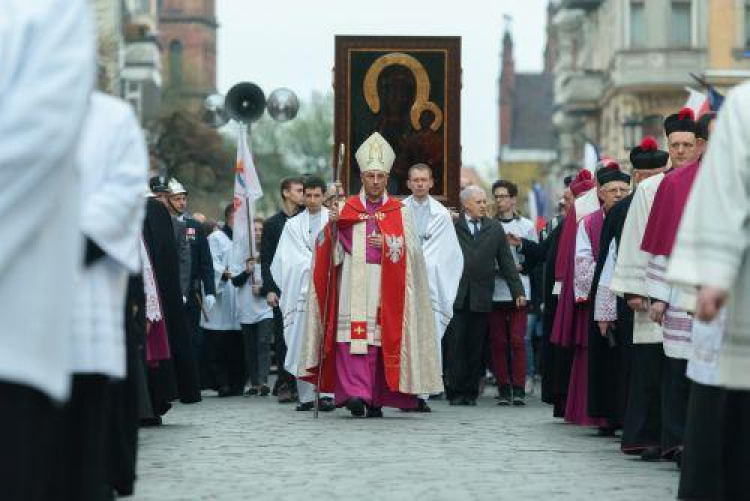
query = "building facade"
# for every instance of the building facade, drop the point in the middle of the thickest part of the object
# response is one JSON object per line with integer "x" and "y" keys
{"x": 527, "y": 142}
{"x": 621, "y": 66}
{"x": 188, "y": 39}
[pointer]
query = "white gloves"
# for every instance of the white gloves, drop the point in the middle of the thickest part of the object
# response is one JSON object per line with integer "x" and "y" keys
{"x": 209, "y": 301}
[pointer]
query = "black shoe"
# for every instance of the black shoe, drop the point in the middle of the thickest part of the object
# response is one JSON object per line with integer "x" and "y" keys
{"x": 356, "y": 406}
{"x": 285, "y": 396}
{"x": 422, "y": 406}
{"x": 251, "y": 392}
{"x": 374, "y": 412}
{"x": 456, "y": 401}
{"x": 326, "y": 404}
{"x": 651, "y": 454}
{"x": 606, "y": 431}
{"x": 264, "y": 391}
{"x": 519, "y": 401}
{"x": 307, "y": 406}
{"x": 150, "y": 422}
{"x": 471, "y": 402}
{"x": 504, "y": 395}
{"x": 224, "y": 391}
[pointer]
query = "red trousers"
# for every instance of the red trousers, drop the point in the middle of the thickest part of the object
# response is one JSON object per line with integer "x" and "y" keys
{"x": 508, "y": 326}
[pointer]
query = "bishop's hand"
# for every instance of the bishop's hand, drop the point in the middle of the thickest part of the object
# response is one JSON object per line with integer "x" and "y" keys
{"x": 375, "y": 240}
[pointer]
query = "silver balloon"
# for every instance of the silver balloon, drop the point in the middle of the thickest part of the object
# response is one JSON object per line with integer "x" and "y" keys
{"x": 283, "y": 105}
{"x": 214, "y": 115}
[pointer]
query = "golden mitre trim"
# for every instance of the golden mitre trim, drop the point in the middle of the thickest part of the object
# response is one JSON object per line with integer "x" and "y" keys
{"x": 375, "y": 154}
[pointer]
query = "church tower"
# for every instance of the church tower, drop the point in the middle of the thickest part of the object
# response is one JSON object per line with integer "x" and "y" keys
{"x": 188, "y": 39}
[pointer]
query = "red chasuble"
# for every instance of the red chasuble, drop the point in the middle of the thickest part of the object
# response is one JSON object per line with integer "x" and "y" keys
{"x": 393, "y": 285}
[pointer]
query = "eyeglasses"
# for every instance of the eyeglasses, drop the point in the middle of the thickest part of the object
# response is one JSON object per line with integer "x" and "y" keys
{"x": 617, "y": 190}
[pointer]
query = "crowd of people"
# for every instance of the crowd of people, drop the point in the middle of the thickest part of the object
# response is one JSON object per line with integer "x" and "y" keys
{"x": 628, "y": 303}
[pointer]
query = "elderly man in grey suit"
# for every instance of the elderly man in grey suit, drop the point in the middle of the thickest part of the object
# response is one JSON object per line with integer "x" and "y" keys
{"x": 486, "y": 251}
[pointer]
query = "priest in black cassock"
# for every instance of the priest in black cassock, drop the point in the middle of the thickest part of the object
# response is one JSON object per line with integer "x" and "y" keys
{"x": 611, "y": 342}
{"x": 546, "y": 252}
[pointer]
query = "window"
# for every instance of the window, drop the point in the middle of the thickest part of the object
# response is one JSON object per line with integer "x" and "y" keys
{"x": 637, "y": 24}
{"x": 681, "y": 29}
{"x": 747, "y": 24}
{"x": 175, "y": 62}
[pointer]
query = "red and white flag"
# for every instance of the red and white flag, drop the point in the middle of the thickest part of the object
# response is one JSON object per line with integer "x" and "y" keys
{"x": 697, "y": 101}
{"x": 247, "y": 190}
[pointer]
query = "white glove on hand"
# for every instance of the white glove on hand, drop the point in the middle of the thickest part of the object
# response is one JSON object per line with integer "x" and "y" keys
{"x": 208, "y": 302}
{"x": 184, "y": 300}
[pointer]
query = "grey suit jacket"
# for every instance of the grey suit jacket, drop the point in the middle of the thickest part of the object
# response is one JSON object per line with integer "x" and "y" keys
{"x": 481, "y": 255}
{"x": 183, "y": 252}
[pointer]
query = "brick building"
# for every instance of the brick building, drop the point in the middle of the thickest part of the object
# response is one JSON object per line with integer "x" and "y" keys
{"x": 188, "y": 39}
{"x": 527, "y": 142}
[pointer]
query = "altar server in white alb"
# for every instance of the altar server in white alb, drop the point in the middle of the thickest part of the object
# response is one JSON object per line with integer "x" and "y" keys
{"x": 442, "y": 252}
{"x": 47, "y": 54}
{"x": 113, "y": 165}
{"x": 711, "y": 252}
{"x": 222, "y": 324}
{"x": 291, "y": 272}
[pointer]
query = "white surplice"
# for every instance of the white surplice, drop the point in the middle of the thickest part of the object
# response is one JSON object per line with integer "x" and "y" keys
{"x": 444, "y": 259}
{"x": 113, "y": 165}
{"x": 223, "y": 316}
{"x": 677, "y": 326}
{"x": 714, "y": 234}
{"x": 47, "y": 54}
{"x": 605, "y": 304}
{"x": 291, "y": 271}
{"x": 630, "y": 270}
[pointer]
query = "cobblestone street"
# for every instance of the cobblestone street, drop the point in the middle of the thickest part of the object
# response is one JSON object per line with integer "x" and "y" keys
{"x": 254, "y": 448}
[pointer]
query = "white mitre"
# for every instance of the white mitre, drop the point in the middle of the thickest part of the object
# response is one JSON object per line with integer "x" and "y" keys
{"x": 375, "y": 154}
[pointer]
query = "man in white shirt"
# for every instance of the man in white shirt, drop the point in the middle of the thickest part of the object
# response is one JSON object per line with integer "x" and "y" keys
{"x": 48, "y": 73}
{"x": 507, "y": 321}
{"x": 256, "y": 318}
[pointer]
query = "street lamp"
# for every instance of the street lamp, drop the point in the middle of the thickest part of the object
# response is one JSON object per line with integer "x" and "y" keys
{"x": 632, "y": 129}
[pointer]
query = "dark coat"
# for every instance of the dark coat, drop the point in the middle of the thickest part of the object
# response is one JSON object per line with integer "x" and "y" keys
{"x": 482, "y": 256}
{"x": 269, "y": 241}
{"x": 201, "y": 263}
{"x": 159, "y": 237}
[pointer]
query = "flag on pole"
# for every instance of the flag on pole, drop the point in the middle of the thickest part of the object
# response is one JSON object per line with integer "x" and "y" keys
{"x": 697, "y": 101}
{"x": 537, "y": 206}
{"x": 247, "y": 190}
{"x": 590, "y": 156}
